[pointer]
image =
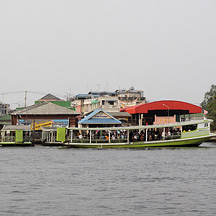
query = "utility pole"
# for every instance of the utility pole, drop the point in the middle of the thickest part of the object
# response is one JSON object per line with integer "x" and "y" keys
{"x": 33, "y": 128}
{"x": 168, "y": 111}
{"x": 25, "y": 97}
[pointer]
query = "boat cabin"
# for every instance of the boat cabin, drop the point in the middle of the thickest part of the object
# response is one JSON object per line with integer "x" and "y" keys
{"x": 15, "y": 135}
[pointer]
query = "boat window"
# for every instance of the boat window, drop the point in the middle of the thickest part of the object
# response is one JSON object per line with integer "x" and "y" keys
{"x": 189, "y": 127}
{"x": 111, "y": 102}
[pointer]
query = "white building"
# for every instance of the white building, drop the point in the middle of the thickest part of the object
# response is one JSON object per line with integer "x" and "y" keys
{"x": 4, "y": 109}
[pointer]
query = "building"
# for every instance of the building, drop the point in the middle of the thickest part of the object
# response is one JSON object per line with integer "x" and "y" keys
{"x": 4, "y": 109}
{"x": 45, "y": 112}
{"x": 124, "y": 117}
{"x": 161, "y": 112}
{"x": 5, "y": 120}
{"x": 99, "y": 118}
{"x": 108, "y": 101}
{"x": 53, "y": 99}
{"x": 130, "y": 97}
{"x": 50, "y": 97}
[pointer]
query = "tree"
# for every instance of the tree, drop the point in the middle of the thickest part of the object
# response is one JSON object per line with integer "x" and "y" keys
{"x": 208, "y": 97}
{"x": 209, "y": 104}
{"x": 212, "y": 112}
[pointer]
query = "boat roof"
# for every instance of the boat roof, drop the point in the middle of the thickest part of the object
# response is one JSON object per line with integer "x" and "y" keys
{"x": 177, "y": 124}
{"x": 16, "y": 127}
{"x": 49, "y": 128}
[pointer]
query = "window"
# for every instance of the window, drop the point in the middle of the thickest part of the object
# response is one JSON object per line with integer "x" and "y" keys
{"x": 189, "y": 127}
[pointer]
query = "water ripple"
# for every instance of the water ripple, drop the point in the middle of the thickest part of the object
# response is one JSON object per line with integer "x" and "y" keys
{"x": 52, "y": 181}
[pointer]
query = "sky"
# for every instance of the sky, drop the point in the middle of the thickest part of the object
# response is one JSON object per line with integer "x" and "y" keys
{"x": 167, "y": 48}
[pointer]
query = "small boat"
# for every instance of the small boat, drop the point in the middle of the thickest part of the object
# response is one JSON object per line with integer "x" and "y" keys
{"x": 180, "y": 134}
{"x": 16, "y": 135}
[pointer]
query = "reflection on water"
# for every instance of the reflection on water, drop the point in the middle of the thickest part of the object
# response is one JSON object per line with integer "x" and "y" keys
{"x": 52, "y": 181}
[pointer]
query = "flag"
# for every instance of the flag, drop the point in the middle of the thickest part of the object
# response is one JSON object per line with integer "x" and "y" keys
{"x": 205, "y": 112}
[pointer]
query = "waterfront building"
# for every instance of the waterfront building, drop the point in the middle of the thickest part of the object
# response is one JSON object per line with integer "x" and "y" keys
{"x": 99, "y": 118}
{"x": 45, "y": 111}
{"x": 45, "y": 114}
{"x": 162, "y": 112}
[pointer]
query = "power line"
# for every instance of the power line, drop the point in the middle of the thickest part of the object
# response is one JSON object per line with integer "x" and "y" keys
{"x": 6, "y": 93}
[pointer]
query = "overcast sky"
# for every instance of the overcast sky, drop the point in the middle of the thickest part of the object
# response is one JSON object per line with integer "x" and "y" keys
{"x": 167, "y": 48}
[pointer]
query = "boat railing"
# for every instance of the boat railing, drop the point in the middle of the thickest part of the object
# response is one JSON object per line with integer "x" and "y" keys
{"x": 26, "y": 138}
{"x": 98, "y": 140}
{"x": 85, "y": 140}
{"x": 122, "y": 139}
{"x": 169, "y": 137}
{"x": 8, "y": 139}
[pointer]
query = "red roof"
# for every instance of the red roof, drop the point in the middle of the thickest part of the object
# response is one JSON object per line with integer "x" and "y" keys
{"x": 163, "y": 105}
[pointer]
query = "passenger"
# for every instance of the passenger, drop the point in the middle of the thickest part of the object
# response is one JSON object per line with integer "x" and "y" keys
{"x": 163, "y": 135}
{"x": 150, "y": 137}
{"x": 135, "y": 138}
{"x": 142, "y": 137}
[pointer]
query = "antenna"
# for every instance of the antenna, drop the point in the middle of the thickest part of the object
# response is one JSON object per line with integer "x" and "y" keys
{"x": 107, "y": 86}
{"x": 98, "y": 85}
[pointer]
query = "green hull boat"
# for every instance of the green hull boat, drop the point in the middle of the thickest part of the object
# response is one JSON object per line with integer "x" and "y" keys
{"x": 191, "y": 133}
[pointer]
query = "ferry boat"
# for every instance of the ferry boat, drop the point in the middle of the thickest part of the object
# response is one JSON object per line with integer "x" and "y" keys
{"x": 16, "y": 135}
{"x": 180, "y": 134}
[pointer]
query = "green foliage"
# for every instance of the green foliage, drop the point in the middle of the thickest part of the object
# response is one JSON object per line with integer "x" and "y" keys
{"x": 212, "y": 112}
{"x": 209, "y": 104}
{"x": 208, "y": 97}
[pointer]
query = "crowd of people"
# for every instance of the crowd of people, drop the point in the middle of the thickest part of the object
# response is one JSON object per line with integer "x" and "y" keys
{"x": 134, "y": 135}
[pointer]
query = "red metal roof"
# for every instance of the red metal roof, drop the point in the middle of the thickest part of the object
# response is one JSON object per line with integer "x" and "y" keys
{"x": 158, "y": 105}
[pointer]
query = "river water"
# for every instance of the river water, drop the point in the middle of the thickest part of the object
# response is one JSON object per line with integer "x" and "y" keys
{"x": 51, "y": 181}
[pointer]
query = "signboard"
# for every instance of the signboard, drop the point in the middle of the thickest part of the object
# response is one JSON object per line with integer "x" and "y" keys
{"x": 101, "y": 115}
{"x": 39, "y": 125}
{"x": 60, "y": 122}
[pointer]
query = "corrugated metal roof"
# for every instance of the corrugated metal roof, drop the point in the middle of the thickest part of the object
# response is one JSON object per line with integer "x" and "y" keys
{"x": 120, "y": 114}
{"x": 102, "y": 121}
{"x": 45, "y": 108}
{"x": 83, "y": 96}
{"x": 163, "y": 105}
{"x": 50, "y": 97}
{"x": 5, "y": 118}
